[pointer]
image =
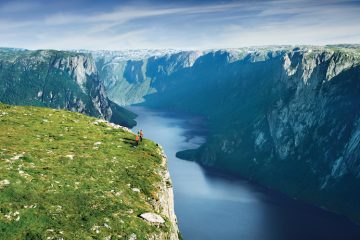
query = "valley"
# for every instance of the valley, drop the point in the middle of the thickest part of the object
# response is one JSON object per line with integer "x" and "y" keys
{"x": 285, "y": 117}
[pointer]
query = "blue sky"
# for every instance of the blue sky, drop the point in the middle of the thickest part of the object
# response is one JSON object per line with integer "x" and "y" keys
{"x": 188, "y": 24}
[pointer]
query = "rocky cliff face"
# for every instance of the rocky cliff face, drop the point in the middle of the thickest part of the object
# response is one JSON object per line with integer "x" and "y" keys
{"x": 56, "y": 79}
{"x": 285, "y": 117}
{"x": 166, "y": 200}
{"x": 129, "y": 77}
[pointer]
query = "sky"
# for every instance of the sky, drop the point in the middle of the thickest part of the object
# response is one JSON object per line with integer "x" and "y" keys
{"x": 186, "y": 25}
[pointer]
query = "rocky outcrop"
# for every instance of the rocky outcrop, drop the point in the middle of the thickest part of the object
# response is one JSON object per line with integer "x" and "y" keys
{"x": 165, "y": 204}
{"x": 286, "y": 117}
{"x": 82, "y": 69}
{"x": 152, "y": 218}
{"x": 56, "y": 79}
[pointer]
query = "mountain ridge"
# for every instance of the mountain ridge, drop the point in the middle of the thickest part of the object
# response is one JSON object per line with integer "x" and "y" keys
{"x": 283, "y": 117}
{"x": 56, "y": 79}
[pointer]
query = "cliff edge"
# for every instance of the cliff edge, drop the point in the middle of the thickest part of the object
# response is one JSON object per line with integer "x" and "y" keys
{"x": 64, "y": 175}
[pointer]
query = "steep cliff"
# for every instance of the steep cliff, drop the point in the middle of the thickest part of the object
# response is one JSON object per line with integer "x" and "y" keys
{"x": 282, "y": 116}
{"x": 166, "y": 198}
{"x": 56, "y": 79}
{"x": 129, "y": 77}
{"x": 64, "y": 175}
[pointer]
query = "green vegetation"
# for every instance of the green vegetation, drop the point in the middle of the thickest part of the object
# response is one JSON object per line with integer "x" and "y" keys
{"x": 29, "y": 78}
{"x": 57, "y": 79}
{"x": 121, "y": 115}
{"x": 65, "y": 175}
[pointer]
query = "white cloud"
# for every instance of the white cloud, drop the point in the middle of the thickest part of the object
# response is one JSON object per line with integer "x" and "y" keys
{"x": 233, "y": 24}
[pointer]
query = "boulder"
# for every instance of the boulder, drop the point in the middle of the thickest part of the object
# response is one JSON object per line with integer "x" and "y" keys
{"x": 152, "y": 217}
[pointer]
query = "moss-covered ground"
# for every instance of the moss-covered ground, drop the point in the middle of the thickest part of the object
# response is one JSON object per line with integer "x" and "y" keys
{"x": 64, "y": 177}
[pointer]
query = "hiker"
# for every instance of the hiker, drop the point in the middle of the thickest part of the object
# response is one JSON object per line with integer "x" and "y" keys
{"x": 137, "y": 138}
{"x": 141, "y": 135}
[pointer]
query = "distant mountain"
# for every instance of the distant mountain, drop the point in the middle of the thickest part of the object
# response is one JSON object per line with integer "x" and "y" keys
{"x": 57, "y": 79}
{"x": 129, "y": 76}
{"x": 131, "y": 54}
{"x": 286, "y": 117}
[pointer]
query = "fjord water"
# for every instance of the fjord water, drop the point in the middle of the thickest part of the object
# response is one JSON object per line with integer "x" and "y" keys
{"x": 211, "y": 205}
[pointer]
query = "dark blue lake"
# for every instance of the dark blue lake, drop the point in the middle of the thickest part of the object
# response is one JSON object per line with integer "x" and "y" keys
{"x": 210, "y": 205}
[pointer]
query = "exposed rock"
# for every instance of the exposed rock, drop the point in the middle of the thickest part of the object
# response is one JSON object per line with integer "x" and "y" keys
{"x": 4, "y": 183}
{"x": 112, "y": 125}
{"x": 165, "y": 205}
{"x": 133, "y": 236}
{"x": 107, "y": 226}
{"x": 152, "y": 217}
{"x": 70, "y": 156}
{"x": 96, "y": 229}
{"x": 17, "y": 157}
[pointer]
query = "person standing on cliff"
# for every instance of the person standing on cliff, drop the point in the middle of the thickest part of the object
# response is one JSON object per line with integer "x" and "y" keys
{"x": 137, "y": 138}
{"x": 141, "y": 135}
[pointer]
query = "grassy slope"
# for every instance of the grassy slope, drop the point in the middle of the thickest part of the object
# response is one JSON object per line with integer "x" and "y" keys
{"x": 51, "y": 195}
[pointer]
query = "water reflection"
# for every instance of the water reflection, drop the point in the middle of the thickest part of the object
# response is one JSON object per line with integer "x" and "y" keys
{"x": 214, "y": 206}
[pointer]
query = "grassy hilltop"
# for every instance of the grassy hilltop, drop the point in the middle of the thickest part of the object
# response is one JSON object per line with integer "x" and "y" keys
{"x": 64, "y": 175}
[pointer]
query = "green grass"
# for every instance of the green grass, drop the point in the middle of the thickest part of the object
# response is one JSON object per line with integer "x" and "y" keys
{"x": 64, "y": 185}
